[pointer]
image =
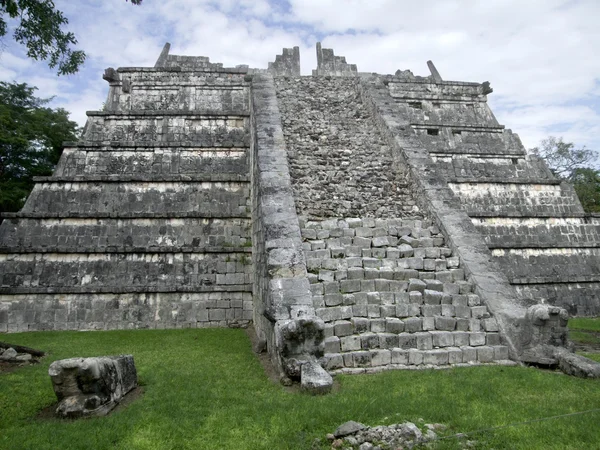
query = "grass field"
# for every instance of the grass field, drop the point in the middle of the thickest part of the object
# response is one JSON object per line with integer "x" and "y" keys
{"x": 205, "y": 389}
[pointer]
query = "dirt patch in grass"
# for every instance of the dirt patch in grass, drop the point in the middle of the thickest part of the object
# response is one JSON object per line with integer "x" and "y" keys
{"x": 49, "y": 412}
{"x": 586, "y": 341}
{"x": 7, "y": 367}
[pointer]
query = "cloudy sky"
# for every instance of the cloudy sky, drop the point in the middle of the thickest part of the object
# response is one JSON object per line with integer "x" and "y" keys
{"x": 541, "y": 56}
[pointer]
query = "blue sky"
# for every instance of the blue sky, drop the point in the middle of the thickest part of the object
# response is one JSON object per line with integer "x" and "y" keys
{"x": 541, "y": 56}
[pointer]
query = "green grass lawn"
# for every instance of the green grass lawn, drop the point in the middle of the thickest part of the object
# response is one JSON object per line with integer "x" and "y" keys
{"x": 585, "y": 323}
{"x": 204, "y": 389}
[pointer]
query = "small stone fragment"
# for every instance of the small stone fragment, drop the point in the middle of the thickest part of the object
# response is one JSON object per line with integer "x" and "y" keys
{"x": 348, "y": 428}
{"x": 8, "y": 354}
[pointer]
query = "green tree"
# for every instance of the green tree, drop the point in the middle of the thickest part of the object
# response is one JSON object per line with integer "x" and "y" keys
{"x": 587, "y": 185}
{"x": 573, "y": 165}
{"x": 40, "y": 28}
{"x": 31, "y": 137}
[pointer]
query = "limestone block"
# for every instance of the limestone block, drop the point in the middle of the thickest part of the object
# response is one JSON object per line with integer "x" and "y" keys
{"x": 442, "y": 338}
{"x": 476, "y": 339}
{"x": 382, "y": 357}
{"x": 399, "y": 356}
{"x": 485, "y": 354}
{"x": 314, "y": 379}
{"x": 91, "y": 386}
{"x": 437, "y": 357}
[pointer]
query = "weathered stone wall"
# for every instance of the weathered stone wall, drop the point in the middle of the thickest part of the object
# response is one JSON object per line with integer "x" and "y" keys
{"x": 167, "y": 127}
{"x": 112, "y": 311}
{"x": 146, "y": 161}
{"x": 340, "y": 165}
{"x": 391, "y": 294}
{"x": 167, "y": 199}
{"x": 115, "y": 235}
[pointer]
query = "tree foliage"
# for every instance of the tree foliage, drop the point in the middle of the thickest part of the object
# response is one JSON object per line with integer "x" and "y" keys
{"x": 573, "y": 165}
{"x": 40, "y": 28}
{"x": 31, "y": 137}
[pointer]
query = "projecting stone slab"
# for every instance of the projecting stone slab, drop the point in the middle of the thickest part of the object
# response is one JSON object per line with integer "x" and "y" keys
{"x": 577, "y": 365}
{"x": 91, "y": 386}
{"x": 314, "y": 379}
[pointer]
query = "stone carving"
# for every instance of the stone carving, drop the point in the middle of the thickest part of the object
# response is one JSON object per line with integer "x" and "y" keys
{"x": 91, "y": 386}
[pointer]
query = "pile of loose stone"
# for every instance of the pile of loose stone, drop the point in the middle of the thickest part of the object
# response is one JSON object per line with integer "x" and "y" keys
{"x": 12, "y": 356}
{"x": 354, "y": 435}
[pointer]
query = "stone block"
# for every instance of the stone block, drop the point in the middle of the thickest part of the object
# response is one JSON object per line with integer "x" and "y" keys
{"x": 461, "y": 338}
{"x": 91, "y": 386}
{"x": 394, "y": 325}
{"x": 399, "y": 356}
{"x": 369, "y": 340}
{"x": 442, "y": 338}
{"x": 476, "y": 339}
{"x": 431, "y": 310}
{"x": 445, "y": 323}
{"x": 432, "y": 297}
{"x": 412, "y": 325}
{"x": 343, "y": 328}
{"x": 424, "y": 341}
{"x": 332, "y": 344}
{"x": 388, "y": 340}
{"x": 356, "y": 273}
{"x": 407, "y": 340}
{"x": 437, "y": 357}
{"x": 455, "y": 355}
{"x": 362, "y": 359}
{"x": 332, "y": 361}
{"x": 415, "y": 357}
{"x": 490, "y": 324}
{"x": 415, "y": 297}
{"x": 377, "y": 325}
{"x": 448, "y": 310}
{"x": 414, "y": 263}
{"x": 382, "y": 357}
{"x": 350, "y": 343}
{"x": 485, "y": 354}
{"x": 348, "y": 286}
{"x": 428, "y": 323}
{"x": 469, "y": 354}
{"x": 314, "y": 379}
{"x": 333, "y": 299}
{"x": 415, "y": 284}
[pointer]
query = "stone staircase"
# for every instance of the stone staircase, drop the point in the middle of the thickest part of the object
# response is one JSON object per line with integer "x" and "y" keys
{"x": 533, "y": 224}
{"x": 146, "y": 221}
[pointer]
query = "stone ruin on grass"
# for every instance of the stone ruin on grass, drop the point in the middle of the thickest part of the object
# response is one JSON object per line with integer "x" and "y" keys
{"x": 359, "y": 221}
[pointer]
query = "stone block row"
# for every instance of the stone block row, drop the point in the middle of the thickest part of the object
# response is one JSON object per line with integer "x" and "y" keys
{"x": 517, "y": 200}
{"x": 124, "y": 311}
{"x": 413, "y": 357}
{"x": 472, "y": 142}
{"x": 539, "y": 265}
{"x": 114, "y": 270}
{"x": 79, "y": 162}
{"x": 538, "y": 232}
{"x": 205, "y": 131}
{"x": 389, "y": 324}
{"x": 223, "y": 99}
{"x": 97, "y": 235}
{"x": 171, "y": 198}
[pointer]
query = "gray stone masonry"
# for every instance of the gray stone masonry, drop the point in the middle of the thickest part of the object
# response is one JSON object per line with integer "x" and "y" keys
{"x": 146, "y": 221}
{"x": 283, "y": 313}
{"x": 379, "y": 303}
{"x": 339, "y": 164}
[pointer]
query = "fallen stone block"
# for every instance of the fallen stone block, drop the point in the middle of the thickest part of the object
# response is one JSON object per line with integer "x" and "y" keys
{"x": 577, "y": 365}
{"x": 91, "y": 386}
{"x": 314, "y": 379}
